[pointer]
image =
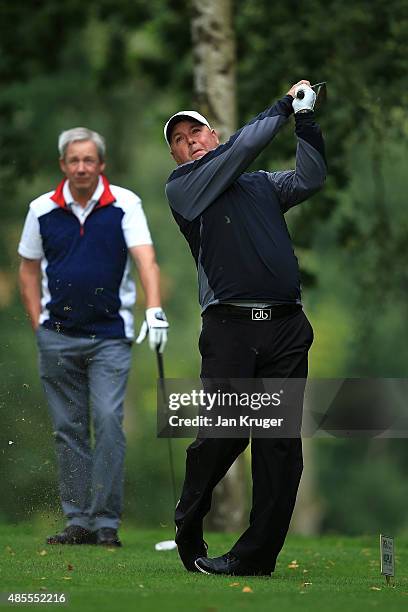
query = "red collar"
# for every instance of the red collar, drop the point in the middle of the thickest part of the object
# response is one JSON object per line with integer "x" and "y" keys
{"x": 105, "y": 199}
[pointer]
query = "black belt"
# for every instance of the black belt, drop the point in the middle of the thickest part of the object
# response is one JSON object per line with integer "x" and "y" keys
{"x": 252, "y": 313}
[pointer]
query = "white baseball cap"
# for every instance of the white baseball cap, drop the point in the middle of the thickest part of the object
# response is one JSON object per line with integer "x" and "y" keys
{"x": 188, "y": 114}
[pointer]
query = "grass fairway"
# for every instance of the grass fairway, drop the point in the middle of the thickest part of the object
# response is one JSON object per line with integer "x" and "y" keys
{"x": 325, "y": 573}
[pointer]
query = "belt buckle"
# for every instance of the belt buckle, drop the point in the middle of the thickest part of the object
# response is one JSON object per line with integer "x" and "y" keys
{"x": 261, "y": 314}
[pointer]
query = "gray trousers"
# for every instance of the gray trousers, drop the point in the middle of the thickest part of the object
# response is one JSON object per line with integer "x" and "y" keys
{"x": 85, "y": 380}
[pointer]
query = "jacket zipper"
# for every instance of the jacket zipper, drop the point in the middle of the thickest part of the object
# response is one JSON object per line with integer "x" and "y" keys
{"x": 82, "y": 225}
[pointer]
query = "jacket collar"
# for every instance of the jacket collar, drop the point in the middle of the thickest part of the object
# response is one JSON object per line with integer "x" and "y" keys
{"x": 106, "y": 198}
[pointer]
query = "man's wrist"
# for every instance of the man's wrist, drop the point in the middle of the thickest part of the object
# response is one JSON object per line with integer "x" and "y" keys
{"x": 286, "y": 104}
{"x": 148, "y": 306}
{"x": 304, "y": 117}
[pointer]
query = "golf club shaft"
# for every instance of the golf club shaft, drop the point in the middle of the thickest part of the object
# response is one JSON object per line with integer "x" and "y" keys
{"x": 160, "y": 368}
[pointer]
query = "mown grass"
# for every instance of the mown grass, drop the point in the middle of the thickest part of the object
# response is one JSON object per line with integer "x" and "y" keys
{"x": 330, "y": 573}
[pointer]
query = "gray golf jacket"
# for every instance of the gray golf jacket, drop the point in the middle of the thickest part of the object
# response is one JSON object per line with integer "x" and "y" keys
{"x": 234, "y": 221}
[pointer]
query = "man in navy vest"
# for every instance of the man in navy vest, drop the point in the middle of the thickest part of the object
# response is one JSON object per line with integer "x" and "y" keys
{"x": 253, "y": 322}
{"x": 78, "y": 240}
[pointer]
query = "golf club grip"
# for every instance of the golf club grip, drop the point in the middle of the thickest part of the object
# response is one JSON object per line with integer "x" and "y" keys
{"x": 160, "y": 366}
{"x": 162, "y": 384}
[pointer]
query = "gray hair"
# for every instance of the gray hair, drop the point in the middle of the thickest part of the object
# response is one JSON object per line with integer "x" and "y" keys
{"x": 81, "y": 133}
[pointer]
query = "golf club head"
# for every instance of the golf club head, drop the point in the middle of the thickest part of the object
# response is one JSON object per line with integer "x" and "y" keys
{"x": 320, "y": 90}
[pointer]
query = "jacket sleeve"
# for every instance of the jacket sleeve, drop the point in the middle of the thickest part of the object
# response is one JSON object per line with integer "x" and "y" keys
{"x": 295, "y": 186}
{"x": 193, "y": 186}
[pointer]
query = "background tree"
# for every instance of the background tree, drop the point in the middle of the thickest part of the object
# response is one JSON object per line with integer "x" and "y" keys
{"x": 214, "y": 91}
{"x": 123, "y": 68}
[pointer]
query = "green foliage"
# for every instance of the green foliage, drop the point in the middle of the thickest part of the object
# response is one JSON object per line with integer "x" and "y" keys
{"x": 122, "y": 68}
{"x": 366, "y": 488}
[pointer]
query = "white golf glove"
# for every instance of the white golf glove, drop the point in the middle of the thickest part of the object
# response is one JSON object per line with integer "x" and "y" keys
{"x": 155, "y": 324}
{"x": 307, "y": 100}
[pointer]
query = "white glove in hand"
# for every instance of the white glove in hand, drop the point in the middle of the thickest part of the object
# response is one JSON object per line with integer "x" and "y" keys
{"x": 155, "y": 324}
{"x": 307, "y": 100}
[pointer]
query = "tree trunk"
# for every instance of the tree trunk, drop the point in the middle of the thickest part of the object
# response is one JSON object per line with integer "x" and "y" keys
{"x": 215, "y": 98}
{"x": 307, "y": 515}
{"x": 214, "y": 64}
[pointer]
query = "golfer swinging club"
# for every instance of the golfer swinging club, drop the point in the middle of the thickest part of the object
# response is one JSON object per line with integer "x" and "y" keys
{"x": 235, "y": 227}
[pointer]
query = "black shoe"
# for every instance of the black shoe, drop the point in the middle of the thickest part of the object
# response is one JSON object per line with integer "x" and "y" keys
{"x": 107, "y": 536}
{"x": 73, "y": 534}
{"x": 188, "y": 553}
{"x": 228, "y": 564}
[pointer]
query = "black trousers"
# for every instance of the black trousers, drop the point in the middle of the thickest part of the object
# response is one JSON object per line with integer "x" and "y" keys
{"x": 233, "y": 345}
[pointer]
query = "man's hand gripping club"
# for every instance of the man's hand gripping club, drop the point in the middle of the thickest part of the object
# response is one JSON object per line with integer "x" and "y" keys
{"x": 303, "y": 97}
